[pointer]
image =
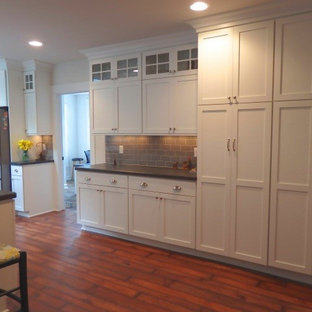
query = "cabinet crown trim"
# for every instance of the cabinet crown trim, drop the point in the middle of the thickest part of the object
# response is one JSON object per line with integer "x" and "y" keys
{"x": 36, "y": 65}
{"x": 271, "y": 10}
{"x": 141, "y": 45}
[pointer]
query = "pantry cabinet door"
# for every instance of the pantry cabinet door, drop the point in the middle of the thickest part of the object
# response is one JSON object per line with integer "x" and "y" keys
{"x": 129, "y": 108}
{"x": 115, "y": 201}
{"x": 293, "y": 58}
{"x": 290, "y": 244}
{"x": 184, "y": 105}
{"x": 157, "y": 97}
{"x": 104, "y": 109}
{"x": 250, "y": 186}
{"x": 253, "y": 62}
{"x": 89, "y": 205}
{"x": 213, "y": 178}
{"x": 215, "y": 66}
{"x": 144, "y": 214}
{"x": 178, "y": 220}
{"x": 31, "y": 113}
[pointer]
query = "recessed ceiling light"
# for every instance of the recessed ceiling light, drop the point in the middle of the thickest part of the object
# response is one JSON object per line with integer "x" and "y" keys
{"x": 199, "y": 6}
{"x": 35, "y": 43}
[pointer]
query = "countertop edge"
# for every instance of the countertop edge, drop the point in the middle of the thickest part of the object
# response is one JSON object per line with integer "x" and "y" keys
{"x": 31, "y": 162}
{"x": 5, "y": 195}
{"x": 148, "y": 174}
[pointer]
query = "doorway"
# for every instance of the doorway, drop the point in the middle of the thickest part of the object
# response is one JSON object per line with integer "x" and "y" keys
{"x": 76, "y": 140}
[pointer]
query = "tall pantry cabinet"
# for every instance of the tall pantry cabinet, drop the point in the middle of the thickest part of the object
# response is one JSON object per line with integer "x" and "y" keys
{"x": 291, "y": 184}
{"x": 234, "y": 135}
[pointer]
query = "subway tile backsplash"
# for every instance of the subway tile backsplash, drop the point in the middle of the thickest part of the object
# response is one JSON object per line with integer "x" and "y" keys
{"x": 158, "y": 151}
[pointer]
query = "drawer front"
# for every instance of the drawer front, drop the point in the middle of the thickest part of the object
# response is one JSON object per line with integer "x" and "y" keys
{"x": 16, "y": 170}
{"x": 169, "y": 186}
{"x": 104, "y": 179}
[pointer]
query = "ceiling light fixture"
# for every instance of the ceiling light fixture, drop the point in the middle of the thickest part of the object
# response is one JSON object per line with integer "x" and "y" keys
{"x": 199, "y": 6}
{"x": 35, "y": 43}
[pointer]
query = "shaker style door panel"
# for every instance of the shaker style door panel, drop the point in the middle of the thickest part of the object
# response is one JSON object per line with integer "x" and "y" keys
{"x": 214, "y": 141}
{"x": 291, "y": 187}
{"x": 215, "y": 66}
{"x": 31, "y": 113}
{"x": 129, "y": 108}
{"x": 104, "y": 112}
{"x": 250, "y": 182}
{"x": 293, "y": 58}
{"x": 253, "y": 62}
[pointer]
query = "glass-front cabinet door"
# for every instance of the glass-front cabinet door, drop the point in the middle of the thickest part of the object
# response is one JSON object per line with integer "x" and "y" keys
{"x": 169, "y": 62}
{"x": 29, "y": 81}
{"x": 117, "y": 68}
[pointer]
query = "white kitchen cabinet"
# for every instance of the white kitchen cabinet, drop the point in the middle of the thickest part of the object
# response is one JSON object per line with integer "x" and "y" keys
{"x": 236, "y": 64}
{"x": 291, "y": 187}
{"x": 34, "y": 187}
{"x": 176, "y": 61}
{"x": 37, "y": 97}
{"x": 293, "y": 58}
{"x": 102, "y": 201}
{"x": 233, "y": 180}
{"x": 159, "y": 211}
{"x": 169, "y": 105}
{"x": 121, "y": 68}
{"x": 116, "y": 108}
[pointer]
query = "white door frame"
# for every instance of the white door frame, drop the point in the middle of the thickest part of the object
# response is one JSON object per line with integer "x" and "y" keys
{"x": 58, "y": 91}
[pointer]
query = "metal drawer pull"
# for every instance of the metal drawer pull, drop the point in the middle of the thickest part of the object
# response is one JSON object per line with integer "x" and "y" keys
{"x": 144, "y": 184}
{"x": 87, "y": 179}
{"x": 228, "y": 144}
{"x": 177, "y": 188}
{"x": 113, "y": 181}
{"x": 234, "y": 147}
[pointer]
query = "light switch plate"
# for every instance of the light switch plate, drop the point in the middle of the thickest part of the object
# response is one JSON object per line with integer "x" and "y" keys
{"x": 121, "y": 150}
{"x": 195, "y": 151}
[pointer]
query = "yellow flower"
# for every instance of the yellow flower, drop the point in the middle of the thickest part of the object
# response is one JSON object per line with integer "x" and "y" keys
{"x": 25, "y": 145}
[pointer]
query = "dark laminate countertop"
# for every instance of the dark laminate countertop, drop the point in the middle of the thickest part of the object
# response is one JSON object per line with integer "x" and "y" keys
{"x": 31, "y": 162}
{"x": 4, "y": 195}
{"x": 158, "y": 172}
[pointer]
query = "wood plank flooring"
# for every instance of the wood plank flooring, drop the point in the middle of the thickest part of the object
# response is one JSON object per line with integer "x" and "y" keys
{"x": 73, "y": 271}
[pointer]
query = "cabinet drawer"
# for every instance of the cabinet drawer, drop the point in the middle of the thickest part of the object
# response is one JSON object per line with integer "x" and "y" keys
{"x": 17, "y": 170}
{"x": 168, "y": 186}
{"x": 104, "y": 179}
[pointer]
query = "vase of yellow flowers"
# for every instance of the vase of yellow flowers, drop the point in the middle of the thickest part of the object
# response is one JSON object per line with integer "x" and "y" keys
{"x": 25, "y": 146}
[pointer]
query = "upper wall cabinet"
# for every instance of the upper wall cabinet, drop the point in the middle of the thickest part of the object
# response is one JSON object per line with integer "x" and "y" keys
{"x": 236, "y": 64}
{"x": 37, "y": 96}
{"x": 170, "y": 62}
{"x": 293, "y": 58}
{"x": 122, "y": 68}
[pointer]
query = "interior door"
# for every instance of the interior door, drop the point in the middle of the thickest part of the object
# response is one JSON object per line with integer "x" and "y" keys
{"x": 213, "y": 178}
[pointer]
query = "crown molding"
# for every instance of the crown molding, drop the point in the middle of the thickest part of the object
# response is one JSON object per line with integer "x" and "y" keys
{"x": 275, "y": 9}
{"x": 37, "y": 65}
{"x": 7, "y": 64}
{"x": 137, "y": 46}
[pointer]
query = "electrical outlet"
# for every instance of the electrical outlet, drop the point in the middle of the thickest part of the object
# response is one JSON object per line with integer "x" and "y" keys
{"x": 195, "y": 151}
{"x": 121, "y": 149}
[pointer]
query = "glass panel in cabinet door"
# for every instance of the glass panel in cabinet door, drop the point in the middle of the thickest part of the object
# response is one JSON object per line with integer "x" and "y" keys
{"x": 150, "y": 59}
{"x": 163, "y": 58}
{"x": 30, "y": 86}
{"x": 121, "y": 64}
{"x": 133, "y": 72}
{"x": 163, "y": 68}
{"x": 150, "y": 70}
{"x": 183, "y": 55}
{"x": 106, "y": 66}
{"x": 121, "y": 73}
{"x": 96, "y": 68}
{"x": 133, "y": 62}
{"x": 26, "y": 78}
{"x": 194, "y": 53}
{"x": 194, "y": 64}
{"x": 106, "y": 75}
{"x": 184, "y": 65}
{"x": 96, "y": 77}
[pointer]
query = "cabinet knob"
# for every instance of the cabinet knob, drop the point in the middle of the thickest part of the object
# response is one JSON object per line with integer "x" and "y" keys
{"x": 113, "y": 181}
{"x": 229, "y": 98}
{"x": 177, "y": 188}
{"x": 16, "y": 170}
{"x": 87, "y": 179}
{"x": 144, "y": 184}
{"x": 174, "y": 129}
{"x": 235, "y": 98}
{"x": 170, "y": 129}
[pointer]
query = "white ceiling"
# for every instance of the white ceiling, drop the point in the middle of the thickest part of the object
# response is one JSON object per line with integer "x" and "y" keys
{"x": 67, "y": 26}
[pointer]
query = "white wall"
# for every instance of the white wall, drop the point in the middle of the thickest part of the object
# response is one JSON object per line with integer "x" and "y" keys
{"x": 71, "y": 72}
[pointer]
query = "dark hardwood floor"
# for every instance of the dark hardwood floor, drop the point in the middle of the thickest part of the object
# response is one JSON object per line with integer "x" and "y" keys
{"x": 70, "y": 271}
